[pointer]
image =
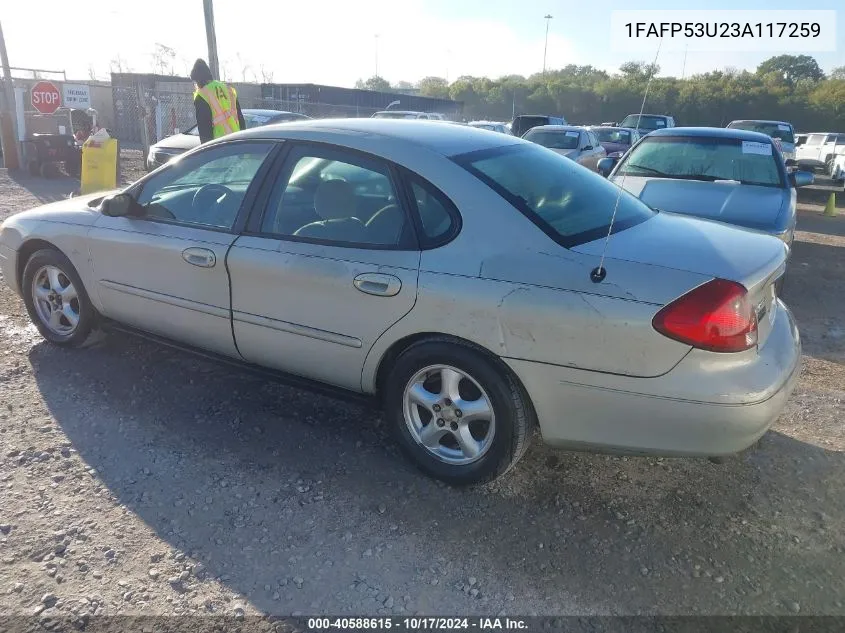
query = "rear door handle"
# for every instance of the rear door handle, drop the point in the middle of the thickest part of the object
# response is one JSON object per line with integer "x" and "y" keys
{"x": 378, "y": 284}
{"x": 202, "y": 257}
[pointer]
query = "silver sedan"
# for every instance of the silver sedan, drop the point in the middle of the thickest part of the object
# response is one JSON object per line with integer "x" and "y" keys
{"x": 458, "y": 278}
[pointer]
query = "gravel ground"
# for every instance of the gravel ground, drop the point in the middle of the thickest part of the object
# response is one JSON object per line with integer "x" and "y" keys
{"x": 135, "y": 479}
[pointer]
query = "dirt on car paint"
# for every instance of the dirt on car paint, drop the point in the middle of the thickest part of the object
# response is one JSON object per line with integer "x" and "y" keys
{"x": 141, "y": 480}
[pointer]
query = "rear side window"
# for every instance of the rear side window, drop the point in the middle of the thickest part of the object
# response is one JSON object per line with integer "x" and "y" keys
{"x": 570, "y": 204}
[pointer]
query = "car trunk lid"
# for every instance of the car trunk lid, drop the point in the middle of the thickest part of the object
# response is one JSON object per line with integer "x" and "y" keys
{"x": 679, "y": 242}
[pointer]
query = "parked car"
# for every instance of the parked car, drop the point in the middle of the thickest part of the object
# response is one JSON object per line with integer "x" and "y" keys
{"x": 645, "y": 123}
{"x": 615, "y": 140}
{"x": 172, "y": 146}
{"x": 493, "y": 126}
{"x": 577, "y": 143}
{"x": 727, "y": 175}
{"x": 781, "y": 131}
{"x": 407, "y": 114}
{"x": 837, "y": 168}
{"x": 471, "y": 310}
{"x": 820, "y": 149}
{"x": 524, "y": 122}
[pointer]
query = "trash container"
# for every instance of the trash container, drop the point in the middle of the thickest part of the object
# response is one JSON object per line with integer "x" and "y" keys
{"x": 43, "y": 153}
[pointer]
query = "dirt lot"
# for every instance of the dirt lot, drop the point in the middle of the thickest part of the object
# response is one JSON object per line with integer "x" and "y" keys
{"x": 141, "y": 480}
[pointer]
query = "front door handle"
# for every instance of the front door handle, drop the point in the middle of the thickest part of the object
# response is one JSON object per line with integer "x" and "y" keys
{"x": 378, "y": 284}
{"x": 202, "y": 257}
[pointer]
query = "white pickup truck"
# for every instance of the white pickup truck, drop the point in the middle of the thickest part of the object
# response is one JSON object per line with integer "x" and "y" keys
{"x": 820, "y": 149}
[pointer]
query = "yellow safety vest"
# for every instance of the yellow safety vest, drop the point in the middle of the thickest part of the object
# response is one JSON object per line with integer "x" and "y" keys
{"x": 222, "y": 100}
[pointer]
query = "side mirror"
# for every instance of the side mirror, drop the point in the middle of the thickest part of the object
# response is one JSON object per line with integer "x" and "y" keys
{"x": 587, "y": 148}
{"x": 119, "y": 206}
{"x": 606, "y": 165}
{"x": 801, "y": 178}
{"x": 791, "y": 162}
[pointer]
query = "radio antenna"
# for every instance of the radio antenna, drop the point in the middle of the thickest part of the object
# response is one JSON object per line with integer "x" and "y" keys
{"x": 598, "y": 274}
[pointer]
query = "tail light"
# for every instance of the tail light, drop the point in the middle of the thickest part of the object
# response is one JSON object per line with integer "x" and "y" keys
{"x": 717, "y": 316}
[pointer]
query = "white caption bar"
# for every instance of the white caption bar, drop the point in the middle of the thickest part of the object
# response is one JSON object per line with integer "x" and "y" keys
{"x": 805, "y": 31}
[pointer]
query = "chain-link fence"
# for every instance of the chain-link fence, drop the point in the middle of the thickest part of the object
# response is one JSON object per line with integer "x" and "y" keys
{"x": 145, "y": 117}
{"x": 149, "y": 108}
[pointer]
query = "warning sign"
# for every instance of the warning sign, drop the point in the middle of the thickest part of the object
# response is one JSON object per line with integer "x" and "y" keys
{"x": 77, "y": 96}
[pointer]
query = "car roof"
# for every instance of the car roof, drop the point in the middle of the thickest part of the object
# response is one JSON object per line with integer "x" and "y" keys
{"x": 662, "y": 116}
{"x": 559, "y": 128}
{"x": 713, "y": 132}
{"x": 762, "y": 121}
{"x": 266, "y": 112}
{"x": 442, "y": 137}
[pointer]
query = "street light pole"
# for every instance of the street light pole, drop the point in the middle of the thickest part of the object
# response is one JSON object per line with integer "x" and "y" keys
{"x": 376, "y": 54}
{"x": 547, "y": 17}
{"x": 211, "y": 36}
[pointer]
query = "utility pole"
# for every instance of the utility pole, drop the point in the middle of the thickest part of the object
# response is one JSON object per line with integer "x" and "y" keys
{"x": 210, "y": 35}
{"x": 10, "y": 149}
{"x": 376, "y": 38}
{"x": 548, "y": 18}
{"x": 684, "y": 71}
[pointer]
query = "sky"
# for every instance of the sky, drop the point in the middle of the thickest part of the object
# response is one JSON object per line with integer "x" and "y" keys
{"x": 336, "y": 42}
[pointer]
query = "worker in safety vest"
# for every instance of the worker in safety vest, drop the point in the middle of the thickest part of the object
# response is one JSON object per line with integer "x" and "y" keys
{"x": 216, "y": 104}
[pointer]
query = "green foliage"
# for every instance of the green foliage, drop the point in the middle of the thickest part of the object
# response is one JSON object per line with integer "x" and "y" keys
{"x": 784, "y": 89}
{"x": 373, "y": 83}
{"x": 792, "y": 68}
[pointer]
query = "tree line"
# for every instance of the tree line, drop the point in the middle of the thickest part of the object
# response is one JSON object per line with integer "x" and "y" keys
{"x": 787, "y": 87}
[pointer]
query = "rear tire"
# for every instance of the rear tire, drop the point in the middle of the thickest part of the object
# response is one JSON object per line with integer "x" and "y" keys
{"x": 476, "y": 421}
{"x": 56, "y": 299}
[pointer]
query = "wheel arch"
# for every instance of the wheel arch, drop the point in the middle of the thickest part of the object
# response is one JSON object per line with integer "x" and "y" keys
{"x": 27, "y": 250}
{"x": 388, "y": 358}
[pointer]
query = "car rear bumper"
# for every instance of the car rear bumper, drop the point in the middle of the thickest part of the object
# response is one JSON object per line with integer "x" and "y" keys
{"x": 708, "y": 405}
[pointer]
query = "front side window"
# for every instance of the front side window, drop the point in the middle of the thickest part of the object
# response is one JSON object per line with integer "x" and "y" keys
{"x": 815, "y": 139}
{"x": 206, "y": 188}
{"x": 704, "y": 158}
{"x": 569, "y": 203}
{"x": 338, "y": 197}
{"x": 554, "y": 139}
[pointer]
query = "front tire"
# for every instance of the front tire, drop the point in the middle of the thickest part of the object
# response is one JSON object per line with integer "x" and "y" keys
{"x": 458, "y": 415}
{"x": 56, "y": 300}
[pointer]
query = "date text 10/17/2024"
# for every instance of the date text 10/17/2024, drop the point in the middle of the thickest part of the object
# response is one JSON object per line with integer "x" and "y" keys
{"x": 417, "y": 623}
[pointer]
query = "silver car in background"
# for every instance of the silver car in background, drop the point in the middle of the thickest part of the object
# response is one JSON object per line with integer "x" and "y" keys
{"x": 448, "y": 274}
{"x": 493, "y": 126}
{"x": 179, "y": 143}
{"x": 574, "y": 142}
{"x": 781, "y": 131}
{"x": 727, "y": 175}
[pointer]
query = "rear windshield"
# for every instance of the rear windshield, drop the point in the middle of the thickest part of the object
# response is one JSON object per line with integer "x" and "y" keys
{"x": 644, "y": 122}
{"x": 703, "y": 158}
{"x": 572, "y": 205}
{"x": 553, "y": 139}
{"x": 783, "y": 131}
{"x": 609, "y": 135}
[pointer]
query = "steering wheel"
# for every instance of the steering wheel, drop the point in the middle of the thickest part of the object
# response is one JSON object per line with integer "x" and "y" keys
{"x": 209, "y": 195}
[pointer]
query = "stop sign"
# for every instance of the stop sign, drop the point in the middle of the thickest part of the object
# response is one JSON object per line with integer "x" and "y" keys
{"x": 45, "y": 97}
